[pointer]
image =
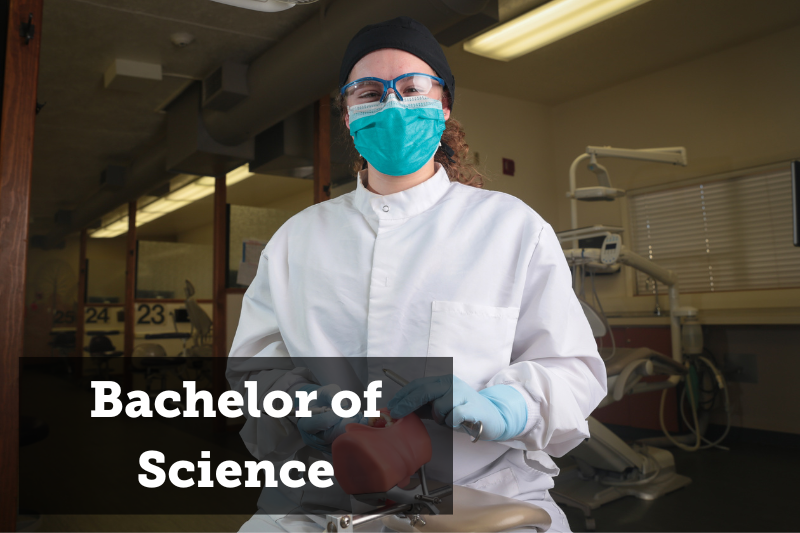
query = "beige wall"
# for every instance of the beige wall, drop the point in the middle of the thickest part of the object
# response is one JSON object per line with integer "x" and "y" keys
{"x": 51, "y": 292}
{"x": 499, "y": 127}
{"x": 52, "y": 289}
{"x": 732, "y": 110}
{"x": 106, "y": 268}
{"x": 205, "y": 233}
{"x": 202, "y": 235}
{"x": 295, "y": 203}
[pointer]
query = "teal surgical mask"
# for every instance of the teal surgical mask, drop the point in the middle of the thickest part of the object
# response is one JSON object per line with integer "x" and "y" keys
{"x": 397, "y": 138}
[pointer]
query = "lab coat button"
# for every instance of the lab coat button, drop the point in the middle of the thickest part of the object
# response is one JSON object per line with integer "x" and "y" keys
{"x": 385, "y": 208}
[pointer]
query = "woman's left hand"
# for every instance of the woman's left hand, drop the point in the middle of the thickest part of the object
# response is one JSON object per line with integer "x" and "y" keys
{"x": 501, "y": 409}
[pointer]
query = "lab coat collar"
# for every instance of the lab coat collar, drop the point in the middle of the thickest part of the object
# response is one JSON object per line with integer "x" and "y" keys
{"x": 403, "y": 204}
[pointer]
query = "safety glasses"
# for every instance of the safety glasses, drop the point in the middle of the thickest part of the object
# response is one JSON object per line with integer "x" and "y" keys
{"x": 366, "y": 90}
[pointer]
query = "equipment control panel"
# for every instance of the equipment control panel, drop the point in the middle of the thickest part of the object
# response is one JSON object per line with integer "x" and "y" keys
{"x": 612, "y": 245}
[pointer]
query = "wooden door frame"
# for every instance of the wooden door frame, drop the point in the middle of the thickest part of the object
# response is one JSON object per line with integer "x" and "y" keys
{"x": 80, "y": 325}
{"x": 17, "y": 124}
{"x": 130, "y": 298}
{"x": 322, "y": 149}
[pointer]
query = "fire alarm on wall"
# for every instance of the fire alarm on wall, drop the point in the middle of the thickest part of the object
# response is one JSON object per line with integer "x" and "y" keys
{"x": 508, "y": 167}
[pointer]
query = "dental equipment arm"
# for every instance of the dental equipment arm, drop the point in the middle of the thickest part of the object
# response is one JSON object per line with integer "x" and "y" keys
{"x": 658, "y": 273}
{"x": 674, "y": 154}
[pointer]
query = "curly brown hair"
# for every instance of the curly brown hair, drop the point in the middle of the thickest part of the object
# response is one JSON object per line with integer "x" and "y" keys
{"x": 456, "y": 164}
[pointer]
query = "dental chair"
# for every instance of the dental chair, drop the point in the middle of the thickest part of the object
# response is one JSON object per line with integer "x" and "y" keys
{"x": 606, "y": 468}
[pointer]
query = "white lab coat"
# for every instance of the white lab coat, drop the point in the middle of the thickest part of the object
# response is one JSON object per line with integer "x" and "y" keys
{"x": 439, "y": 270}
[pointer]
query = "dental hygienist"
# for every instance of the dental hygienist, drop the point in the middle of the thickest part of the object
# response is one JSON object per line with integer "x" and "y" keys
{"x": 421, "y": 261}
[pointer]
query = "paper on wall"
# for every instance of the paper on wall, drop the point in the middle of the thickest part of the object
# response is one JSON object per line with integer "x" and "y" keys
{"x": 251, "y": 253}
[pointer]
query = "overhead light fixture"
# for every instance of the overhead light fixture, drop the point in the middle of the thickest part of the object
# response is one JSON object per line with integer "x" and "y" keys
{"x": 265, "y": 5}
{"x": 174, "y": 200}
{"x": 544, "y": 25}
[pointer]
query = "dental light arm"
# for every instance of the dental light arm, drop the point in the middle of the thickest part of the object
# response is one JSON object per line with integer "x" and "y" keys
{"x": 675, "y": 155}
{"x": 600, "y": 171}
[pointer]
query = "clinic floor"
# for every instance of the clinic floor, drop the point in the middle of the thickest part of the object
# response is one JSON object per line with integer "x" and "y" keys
{"x": 748, "y": 488}
{"x": 744, "y": 489}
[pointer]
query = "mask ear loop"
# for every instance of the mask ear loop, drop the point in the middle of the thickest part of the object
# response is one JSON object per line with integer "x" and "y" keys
{"x": 448, "y": 152}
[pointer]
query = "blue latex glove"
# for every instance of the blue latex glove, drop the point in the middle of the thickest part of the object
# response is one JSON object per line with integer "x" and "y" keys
{"x": 501, "y": 409}
{"x": 320, "y": 430}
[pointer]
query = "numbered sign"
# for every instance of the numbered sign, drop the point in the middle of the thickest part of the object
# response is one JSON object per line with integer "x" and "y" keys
{"x": 150, "y": 314}
{"x": 64, "y": 318}
{"x": 96, "y": 315}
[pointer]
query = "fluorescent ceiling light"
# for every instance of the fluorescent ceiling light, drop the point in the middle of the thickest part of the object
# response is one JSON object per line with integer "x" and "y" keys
{"x": 174, "y": 200}
{"x": 162, "y": 206}
{"x": 546, "y": 24}
{"x": 237, "y": 175}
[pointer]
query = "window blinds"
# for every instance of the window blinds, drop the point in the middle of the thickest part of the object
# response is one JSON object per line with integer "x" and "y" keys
{"x": 733, "y": 234}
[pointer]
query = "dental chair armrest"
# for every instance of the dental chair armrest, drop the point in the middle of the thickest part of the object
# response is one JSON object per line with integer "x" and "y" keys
{"x": 628, "y": 380}
{"x": 670, "y": 369}
{"x": 657, "y": 385}
{"x": 636, "y": 369}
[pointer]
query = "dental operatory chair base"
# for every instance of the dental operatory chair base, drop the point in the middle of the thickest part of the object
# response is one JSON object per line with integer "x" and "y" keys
{"x": 574, "y": 489}
{"x": 606, "y": 469}
{"x": 571, "y": 483}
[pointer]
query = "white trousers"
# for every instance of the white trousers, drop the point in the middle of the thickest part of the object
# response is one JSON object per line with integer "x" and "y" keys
{"x": 303, "y": 523}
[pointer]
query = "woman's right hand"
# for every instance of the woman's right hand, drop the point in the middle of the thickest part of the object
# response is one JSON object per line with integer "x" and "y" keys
{"x": 321, "y": 429}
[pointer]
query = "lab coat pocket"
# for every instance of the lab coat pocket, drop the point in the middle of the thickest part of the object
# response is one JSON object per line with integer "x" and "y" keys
{"x": 502, "y": 482}
{"x": 478, "y": 338}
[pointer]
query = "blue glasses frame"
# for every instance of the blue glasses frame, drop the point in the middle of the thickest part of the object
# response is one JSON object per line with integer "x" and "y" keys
{"x": 391, "y": 84}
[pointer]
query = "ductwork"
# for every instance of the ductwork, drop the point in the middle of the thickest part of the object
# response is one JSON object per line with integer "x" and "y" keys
{"x": 305, "y": 65}
{"x": 292, "y": 74}
{"x": 147, "y": 172}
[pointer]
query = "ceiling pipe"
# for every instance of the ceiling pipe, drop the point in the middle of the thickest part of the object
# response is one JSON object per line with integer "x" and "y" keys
{"x": 304, "y": 65}
{"x": 293, "y": 73}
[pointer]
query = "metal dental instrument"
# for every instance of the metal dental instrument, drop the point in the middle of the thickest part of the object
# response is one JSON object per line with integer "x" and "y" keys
{"x": 473, "y": 430}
